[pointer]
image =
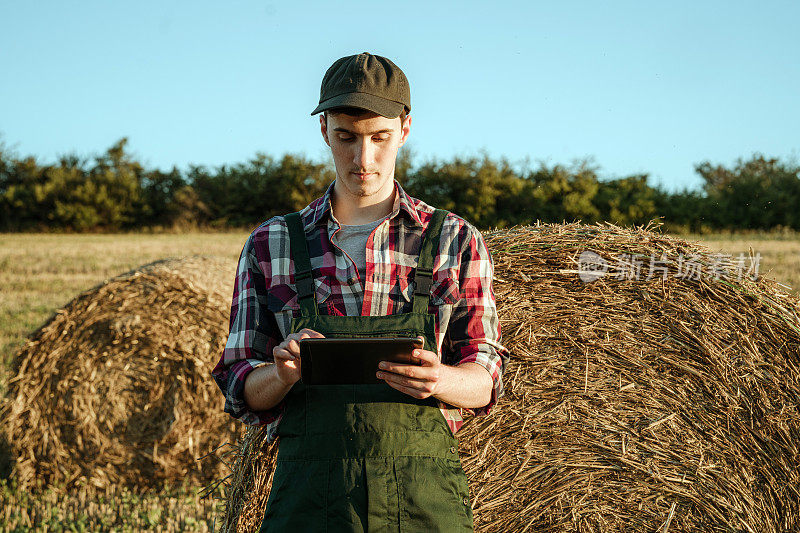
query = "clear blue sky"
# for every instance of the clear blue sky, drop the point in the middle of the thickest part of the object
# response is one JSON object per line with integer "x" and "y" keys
{"x": 638, "y": 86}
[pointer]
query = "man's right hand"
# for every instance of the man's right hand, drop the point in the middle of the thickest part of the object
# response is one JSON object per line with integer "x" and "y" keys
{"x": 287, "y": 356}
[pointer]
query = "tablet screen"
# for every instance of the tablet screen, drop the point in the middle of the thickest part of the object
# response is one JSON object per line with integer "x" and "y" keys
{"x": 351, "y": 360}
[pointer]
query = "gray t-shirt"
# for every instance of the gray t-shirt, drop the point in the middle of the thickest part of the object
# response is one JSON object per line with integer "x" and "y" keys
{"x": 353, "y": 240}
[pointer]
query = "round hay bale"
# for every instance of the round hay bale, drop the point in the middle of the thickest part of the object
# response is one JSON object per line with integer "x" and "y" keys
{"x": 667, "y": 402}
{"x": 115, "y": 389}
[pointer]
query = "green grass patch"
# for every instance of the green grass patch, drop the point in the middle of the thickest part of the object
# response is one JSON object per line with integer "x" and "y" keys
{"x": 86, "y": 509}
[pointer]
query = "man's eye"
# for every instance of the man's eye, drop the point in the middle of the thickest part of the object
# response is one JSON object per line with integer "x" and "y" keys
{"x": 346, "y": 139}
{"x": 380, "y": 139}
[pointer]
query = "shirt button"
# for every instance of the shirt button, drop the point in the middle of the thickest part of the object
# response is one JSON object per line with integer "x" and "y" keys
{"x": 453, "y": 449}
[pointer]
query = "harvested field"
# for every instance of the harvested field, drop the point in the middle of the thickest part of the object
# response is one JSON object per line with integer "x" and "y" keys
{"x": 663, "y": 395}
{"x": 115, "y": 390}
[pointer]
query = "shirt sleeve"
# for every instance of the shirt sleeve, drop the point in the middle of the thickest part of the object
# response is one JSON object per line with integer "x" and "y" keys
{"x": 252, "y": 335}
{"x": 473, "y": 335}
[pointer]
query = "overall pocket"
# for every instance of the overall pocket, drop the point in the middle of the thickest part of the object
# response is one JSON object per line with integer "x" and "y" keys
{"x": 434, "y": 495}
{"x": 298, "y": 498}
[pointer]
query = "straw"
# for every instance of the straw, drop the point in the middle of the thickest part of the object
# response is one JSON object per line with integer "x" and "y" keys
{"x": 115, "y": 388}
{"x": 630, "y": 405}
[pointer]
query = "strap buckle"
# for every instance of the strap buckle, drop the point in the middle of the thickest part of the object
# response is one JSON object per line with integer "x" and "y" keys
{"x": 424, "y": 280}
{"x": 304, "y": 284}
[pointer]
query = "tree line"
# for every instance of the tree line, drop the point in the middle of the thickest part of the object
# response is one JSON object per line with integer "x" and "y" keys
{"x": 113, "y": 192}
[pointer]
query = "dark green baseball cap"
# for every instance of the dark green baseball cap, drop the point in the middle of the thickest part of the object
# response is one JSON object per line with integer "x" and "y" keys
{"x": 366, "y": 81}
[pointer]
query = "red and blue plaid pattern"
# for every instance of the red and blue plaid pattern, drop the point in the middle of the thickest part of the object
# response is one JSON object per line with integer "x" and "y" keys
{"x": 264, "y": 298}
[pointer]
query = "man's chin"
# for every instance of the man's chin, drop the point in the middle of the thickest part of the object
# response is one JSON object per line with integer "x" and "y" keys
{"x": 363, "y": 188}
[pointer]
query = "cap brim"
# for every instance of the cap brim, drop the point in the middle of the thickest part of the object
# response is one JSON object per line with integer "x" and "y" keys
{"x": 370, "y": 102}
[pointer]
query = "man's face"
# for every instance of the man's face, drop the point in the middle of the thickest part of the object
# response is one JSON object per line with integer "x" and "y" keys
{"x": 364, "y": 150}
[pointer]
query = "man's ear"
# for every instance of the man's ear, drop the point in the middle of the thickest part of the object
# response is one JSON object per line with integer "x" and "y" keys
{"x": 323, "y": 126}
{"x": 405, "y": 128}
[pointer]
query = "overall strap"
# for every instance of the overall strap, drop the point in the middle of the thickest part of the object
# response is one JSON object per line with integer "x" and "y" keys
{"x": 424, "y": 273}
{"x": 303, "y": 277}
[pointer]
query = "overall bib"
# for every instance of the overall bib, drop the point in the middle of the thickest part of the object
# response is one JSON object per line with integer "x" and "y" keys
{"x": 366, "y": 458}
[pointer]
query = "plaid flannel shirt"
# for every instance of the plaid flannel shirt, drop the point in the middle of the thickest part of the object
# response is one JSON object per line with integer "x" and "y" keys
{"x": 264, "y": 297}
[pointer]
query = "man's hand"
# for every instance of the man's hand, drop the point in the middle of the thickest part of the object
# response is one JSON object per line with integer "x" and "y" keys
{"x": 267, "y": 385}
{"x": 467, "y": 385}
{"x": 419, "y": 381}
{"x": 287, "y": 356}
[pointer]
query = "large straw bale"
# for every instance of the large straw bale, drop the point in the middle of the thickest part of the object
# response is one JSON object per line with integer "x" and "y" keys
{"x": 115, "y": 388}
{"x": 666, "y": 404}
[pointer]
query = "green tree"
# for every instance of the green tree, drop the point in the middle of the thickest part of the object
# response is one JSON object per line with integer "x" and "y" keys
{"x": 160, "y": 205}
{"x": 684, "y": 211}
{"x": 20, "y": 208}
{"x": 106, "y": 196}
{"x": 759, "y": 193}
{"x": 626, "y": 201}
{"x": 562, "y": 193}
{"x": 250, "y": 193}
{"x": 470, "y": 187}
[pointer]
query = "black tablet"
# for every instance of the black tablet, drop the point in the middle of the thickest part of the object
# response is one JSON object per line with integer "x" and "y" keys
{"x": 351, "y": 360}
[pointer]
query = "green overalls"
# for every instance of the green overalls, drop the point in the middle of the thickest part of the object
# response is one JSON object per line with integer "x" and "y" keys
{"x": 366, "y": 458}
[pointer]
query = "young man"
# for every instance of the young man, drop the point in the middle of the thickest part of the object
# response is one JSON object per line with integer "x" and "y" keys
{"x": 365, "y": 259}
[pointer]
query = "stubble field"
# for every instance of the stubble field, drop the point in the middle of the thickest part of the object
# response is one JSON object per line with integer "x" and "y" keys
{"x": 39, "y": 273}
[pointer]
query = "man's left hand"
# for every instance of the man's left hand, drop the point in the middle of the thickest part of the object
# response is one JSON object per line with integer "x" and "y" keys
{"x": 419, "y": 381}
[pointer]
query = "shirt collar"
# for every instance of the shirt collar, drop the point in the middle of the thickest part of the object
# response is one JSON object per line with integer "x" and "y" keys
{"x": 402, "y": 203}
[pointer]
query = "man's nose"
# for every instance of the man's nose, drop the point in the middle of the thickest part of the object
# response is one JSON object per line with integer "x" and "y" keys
{"x": 363, "y": 154}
